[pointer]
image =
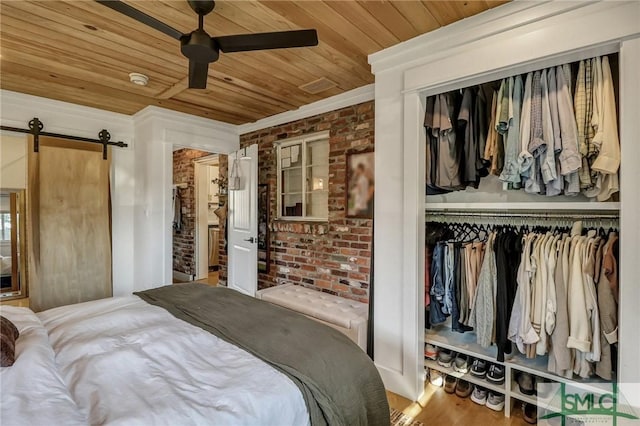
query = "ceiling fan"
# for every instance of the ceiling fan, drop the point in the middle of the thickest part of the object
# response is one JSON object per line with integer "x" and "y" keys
{"x": 202, "y": 49}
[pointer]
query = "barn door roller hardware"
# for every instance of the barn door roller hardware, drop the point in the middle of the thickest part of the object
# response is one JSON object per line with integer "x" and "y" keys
{"x": 36, "y": 127}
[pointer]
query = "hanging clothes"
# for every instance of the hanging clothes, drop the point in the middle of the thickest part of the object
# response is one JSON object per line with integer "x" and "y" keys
{"x": 521, "y": 330}
{"x": 508, "y": 249}
{"x": 532, "y": 131}
{"x": 465, "y": 131}
{"x": 606, "y": 138}
{"x": 483, "y": 313}
{"x": 510, "y": 172}
{"x": 608, "y": 308}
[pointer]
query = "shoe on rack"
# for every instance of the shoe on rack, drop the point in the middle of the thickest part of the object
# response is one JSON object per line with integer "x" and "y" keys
{"x": 496, "y": 374}
{"x": 526, "y": 383}
{"x": 530, "y": 413}
{"x": 479, "y": 368}
{"x": 461, "y": 364}
{"x": 544, "y": 387}
{"x": 479, "y": 395}
{"x": 436, "y": 378}
{"x": 495, "y": 401}
{"x": 430, "y": 351}
{"x": 445, "y": 357}
{"x": 450, "y": 383}
{"x": 463, "y": 388}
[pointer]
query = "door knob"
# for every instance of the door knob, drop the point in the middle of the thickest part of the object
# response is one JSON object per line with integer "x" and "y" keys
{"x": 251, "y": 239}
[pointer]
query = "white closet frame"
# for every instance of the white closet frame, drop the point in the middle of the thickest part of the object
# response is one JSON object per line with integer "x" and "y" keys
{"x": 511, "y": 39}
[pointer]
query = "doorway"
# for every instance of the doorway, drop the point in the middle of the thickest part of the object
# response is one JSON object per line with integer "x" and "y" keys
{"x": 210, "y": 211}
{"x": 198, "y": 215}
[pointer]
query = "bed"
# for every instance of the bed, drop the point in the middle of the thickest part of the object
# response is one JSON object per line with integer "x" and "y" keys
{"x": 182, "y": 355}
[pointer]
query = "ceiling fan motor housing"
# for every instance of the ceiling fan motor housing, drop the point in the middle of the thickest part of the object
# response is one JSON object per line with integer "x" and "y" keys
{"x": 200, "y": 47}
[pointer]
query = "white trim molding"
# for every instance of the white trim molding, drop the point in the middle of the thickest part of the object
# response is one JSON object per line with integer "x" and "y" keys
{"x": 64, "y": 117}
{"x": 189, "y": 131}
{"x": 352, "y": 97}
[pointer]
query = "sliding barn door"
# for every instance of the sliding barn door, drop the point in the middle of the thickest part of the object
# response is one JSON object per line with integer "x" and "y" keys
{"x": 69, "y": 223}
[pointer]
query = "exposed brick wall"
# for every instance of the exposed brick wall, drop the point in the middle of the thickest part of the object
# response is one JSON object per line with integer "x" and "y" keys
{"x": 332, "y": 256}
{"x": 184, "y": 240}
{"x": 223, "y": 168}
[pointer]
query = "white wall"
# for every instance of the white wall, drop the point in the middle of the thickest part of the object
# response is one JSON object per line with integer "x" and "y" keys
{"x": 510, "y": 39}
{"x": 13, "y": 160}
{"x": 141, "y": 174}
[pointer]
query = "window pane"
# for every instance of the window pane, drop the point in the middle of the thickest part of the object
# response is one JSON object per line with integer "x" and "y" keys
{"x": 317, "y": 178}
{"x": 292, "y": 180}
{"x": 291, "y": 205}
{"x": 318, "y": 152}
{"x": 291, "y": 156}
{"x": 317, "y": 202}
{"x": 304, "y": 187}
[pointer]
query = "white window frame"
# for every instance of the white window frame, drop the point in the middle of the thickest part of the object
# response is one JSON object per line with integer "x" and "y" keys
{"x": 303, "y": 140}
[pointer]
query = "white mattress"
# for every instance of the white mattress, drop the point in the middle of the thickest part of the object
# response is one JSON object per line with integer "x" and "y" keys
{"x": 127, "y": 362}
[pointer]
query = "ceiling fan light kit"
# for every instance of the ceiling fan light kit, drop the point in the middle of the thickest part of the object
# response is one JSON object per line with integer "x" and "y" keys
{"x": 202, "y": 49}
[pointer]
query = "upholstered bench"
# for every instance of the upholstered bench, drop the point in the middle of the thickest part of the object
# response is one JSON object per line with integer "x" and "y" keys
{"x": 345, "y": 315}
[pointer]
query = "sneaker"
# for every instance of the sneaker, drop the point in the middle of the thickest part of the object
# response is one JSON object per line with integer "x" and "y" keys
{"x": 430, "y": 351}
{"x": 435, "y": 377}
{"x": 463, "y": 388}
{"x": 495, "y": 401}
{"x": 450, "y": 383}
{"x": 530, "y": 413}
{"x": 445, "y": 358}
{"x": 496, "y": 374}
{"x": 479, "y": 395}
{"x": 461, "y": 364}
{"x": 526, "y": 383}
{"x": 479, "y": 368}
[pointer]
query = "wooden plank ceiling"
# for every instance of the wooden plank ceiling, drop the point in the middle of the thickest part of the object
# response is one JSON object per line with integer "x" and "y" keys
{"x": 83, "y": 52}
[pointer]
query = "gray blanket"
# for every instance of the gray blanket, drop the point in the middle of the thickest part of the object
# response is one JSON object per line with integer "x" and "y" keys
{"x": 338, "y": 381}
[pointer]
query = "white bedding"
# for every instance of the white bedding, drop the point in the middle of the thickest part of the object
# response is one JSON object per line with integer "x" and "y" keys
{"x": 31, "y": 391}
{"x": 127, "y": 362}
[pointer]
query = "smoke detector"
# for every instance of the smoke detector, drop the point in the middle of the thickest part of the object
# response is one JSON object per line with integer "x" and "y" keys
{"x": 139, "y": 79}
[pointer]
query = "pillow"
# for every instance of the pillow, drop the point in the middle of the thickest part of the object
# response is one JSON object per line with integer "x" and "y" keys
{"x": 8, "y": 335}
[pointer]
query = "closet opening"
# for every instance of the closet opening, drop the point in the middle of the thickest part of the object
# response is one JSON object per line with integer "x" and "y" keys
{"x": 522, "y": 207}
{"x": 199, "y": 208}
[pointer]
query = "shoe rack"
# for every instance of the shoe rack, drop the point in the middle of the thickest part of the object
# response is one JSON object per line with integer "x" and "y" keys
{"x": 465, "y": 343}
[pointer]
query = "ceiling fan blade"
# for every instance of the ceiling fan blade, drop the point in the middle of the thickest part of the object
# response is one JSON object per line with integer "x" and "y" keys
{"x": 139, "y": 16}
{"x": 263, "y": 41}
{"x": 198, "y": 72}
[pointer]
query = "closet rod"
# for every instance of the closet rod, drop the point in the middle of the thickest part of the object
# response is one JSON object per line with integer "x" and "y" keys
{"x": 537, "y": 215}
{"x": 36, "y": 126}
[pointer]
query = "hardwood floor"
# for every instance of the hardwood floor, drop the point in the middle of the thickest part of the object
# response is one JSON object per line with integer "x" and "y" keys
{"x": 212, "y": 279}
{"x": 440, "y": 408}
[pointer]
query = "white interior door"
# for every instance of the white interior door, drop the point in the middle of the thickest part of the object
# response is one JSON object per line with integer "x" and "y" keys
{"x": 243, "y": 223}
{"x": 202, "y": 228}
